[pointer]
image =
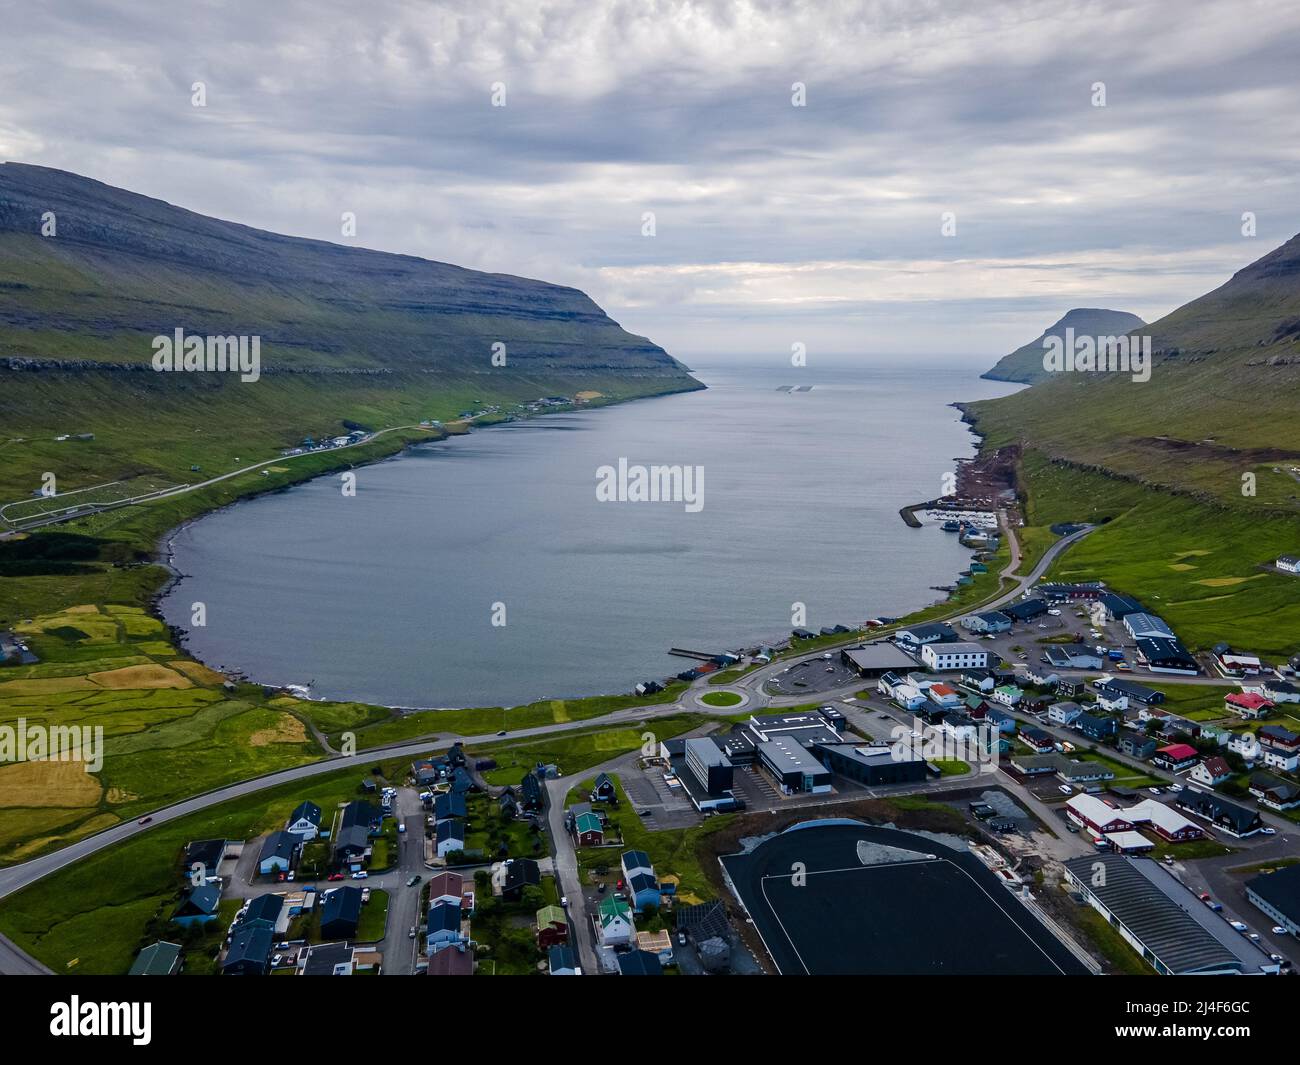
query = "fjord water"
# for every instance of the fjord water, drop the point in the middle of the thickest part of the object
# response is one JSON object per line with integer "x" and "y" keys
{"x": 388, "y": 596}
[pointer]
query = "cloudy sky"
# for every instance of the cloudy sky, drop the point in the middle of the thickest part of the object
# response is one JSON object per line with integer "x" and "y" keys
{"x": 774, "y": 224}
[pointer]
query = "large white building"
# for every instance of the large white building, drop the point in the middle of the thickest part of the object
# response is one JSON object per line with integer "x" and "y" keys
{"x": 945, "y": 656}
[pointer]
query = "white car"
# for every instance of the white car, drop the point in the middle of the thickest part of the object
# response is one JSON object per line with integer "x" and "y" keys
{"x": 1237, "y": 926}
{"x": 1065, "y": 789}
{"x": 1055, "y": 613}
{"x": 1154, "y": 791}
{"x": 360, "y": 874}
{"x": 1269, "y": 831}
{"x": 1278, "y": 930}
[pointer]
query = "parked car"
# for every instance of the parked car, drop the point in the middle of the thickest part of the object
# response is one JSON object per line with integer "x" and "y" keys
{"x": 276, "y": 960}
{"x": 336, "y": 876}
{"x": 411, "y": 933}
{"x": 1278, "y": 930}
{"x": 360, "y": 874}
{"x": 1204, "y": 896}
{"x": 1269, "y": 831}
{"x": 414, "y": 880}
{"x": 1238, "y": 926}
{"x": 1154, "y": 791}
{"x": 1065, "y": 789}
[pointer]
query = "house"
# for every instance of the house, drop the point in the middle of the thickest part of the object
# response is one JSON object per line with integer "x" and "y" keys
{"x": 588, "y": 830}
{"x": 1036, "y": 739}
{"x": 1137, "y": 744}
{"x": 1225, "y": 816}
{"x": 561, "y": 961}
{"x": 615, "y": 918}
{"x": 157, "y": 959}
{"x": 447, "y": 887}
{"x": 1096, "y": 815}
{"x": 530, "y": 792}
{"x": 519, "y": 874}
{"x": 266, "y": 909}
{"x": 1007, "y": 695}
{"x": 639, "y": 963}
{"x": 462, "y": 781}
{"x": 249, "y": 953}
{"x": 932, "y": 632}
{"x": 199, "y": 906}
{"x": 1072, "y": 656}
{"x": 327, "y": 959}
{"x": 442, "y": 928}
{"x": 340, "y": 912}
{"x": 947, "y": 697}
{"x": 508, "y": 804}
{"x": 358, "y": 814}
{"x": 1247, "y": 705}
{"x": 1211, "y": 772}
{"x": 305, "y": 820}
{"x": 944, "y": 656}
{"x": 1096, "y": 727}
{"x": 552, "y": 927}
{"x": 1274, "y": 792}
{"x": 1176, "y": 757}
{"x": 1164, "y": 821}
{"x": 1244, "y": 744}
{"x": 1026, "y": 609}
{"x": 643, "y": 890}
{"x": 980, "y": 680}
{"x": 450, "y": 837}
{"x": 278, "y": 852}
{"x": 1281, "y": 691}
{"x": 455, "y": 960}
{"x": 1063, "y": 713}
{"x": 1000, "y": 719}
{"x": 992, "y": 621}
{"x": 203, "y": 857}
{"x": 603, "y": 789}
{"x": 1166, "y": 655}
{"x": 1289, "y": 564}
{"x": 1041, "y": 676}
{"x": 1279, "y": 748}
{"x": 351, "y": 846}
{"x": 448, "y": 805}
{"x": 1232, "y": 664}
{"x": 1115, "y": 687}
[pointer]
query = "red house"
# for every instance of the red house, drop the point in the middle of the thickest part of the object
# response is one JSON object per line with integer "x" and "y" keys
{"x": 552, "y": 927}
{"x": 1176, "y": 757}
{"x": 1247, "y": 704}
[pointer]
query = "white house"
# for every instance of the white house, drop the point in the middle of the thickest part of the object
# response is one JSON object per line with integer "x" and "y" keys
{"x": 616, "y": 927}
{"x": 1063, "y": 713}
{"x": 278, "y": 853}
{"x": 1289, "y": 564}
{"x": 942, "y": 655}
{"x": 1281, "y": 691}
{"x": 1244, "y": 744}
{"x": 1210, "y": 772}
{"x": 450, "y": 836}
{"x": 909, "y": 696}
{"x": 304, "y": 822}
{"x": 1007, "y": 695}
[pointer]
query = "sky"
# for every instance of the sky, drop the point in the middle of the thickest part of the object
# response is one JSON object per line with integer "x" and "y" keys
{"x": 1083, "y": 154}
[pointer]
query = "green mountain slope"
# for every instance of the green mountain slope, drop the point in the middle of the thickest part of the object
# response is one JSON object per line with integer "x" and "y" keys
{"x": 1025, "y": 364}
{"x": 348, "y": 337}
{"x": 1221, "y": 401}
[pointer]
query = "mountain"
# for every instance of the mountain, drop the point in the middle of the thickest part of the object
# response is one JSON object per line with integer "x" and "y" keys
{"x": 1025, "y": 364}
{"x": 1221, "y": 401}
{"x": 123, "y": 268}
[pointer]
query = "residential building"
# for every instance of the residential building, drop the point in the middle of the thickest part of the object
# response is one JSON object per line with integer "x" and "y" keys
{"x": 442, "y": 928}
{"x": 561, "y": 961}
{"x": 278, "y": 852}
{"x": 1072, "y": 656}
{"x": 199, "y": 906}
{"x": 552, "y": 927}
{"x": 1007, "y": 695}
{"x": 1176, "y": 757}
{"x": 589, "y": 830}
{"x": 157, "y": 959}
{"x": 932, "y": 632}
{"x": 1247, "y": 705}
{"x": 944, "y": 656}
{"x": 305, "y": 821}
{"x": 1063, "y": 713}
{"x": 992, "y": 621}
{"x": 1274, "y": 792}
{"x": 1211, "y": 772}
{"x": 1096, "y": 727}
{"x": 449, "y": 837}
{"x": 1224, "y": 815}
{"x": 615, "y": 918}
{"x": 249, "y": 953}
{"x": 340, "y": 912}
{"x": 1137, "y": 744}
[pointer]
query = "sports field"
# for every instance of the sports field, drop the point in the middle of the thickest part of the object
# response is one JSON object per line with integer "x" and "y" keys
{"x": 835, "y": 898}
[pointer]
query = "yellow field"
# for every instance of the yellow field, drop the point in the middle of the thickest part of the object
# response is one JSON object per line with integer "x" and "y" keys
{"x": 1228, "y": 582}
{"x": 287, "y": 730}
{"x": 48, "y": 784}
{"x": 151, "y": 676}
{"x": 45, "y": 686}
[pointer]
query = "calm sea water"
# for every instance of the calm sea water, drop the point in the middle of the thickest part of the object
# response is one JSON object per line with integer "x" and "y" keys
{"x": 389, "y": 596}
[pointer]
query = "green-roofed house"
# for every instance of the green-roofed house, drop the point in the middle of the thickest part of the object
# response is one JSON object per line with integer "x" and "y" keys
{"x": 1007, "y": 695}
{"x": 157, "y": 959}
{"x": 552, "y": 927}
{"x": 616, "y": 927}
{"x": 588, "y": 830}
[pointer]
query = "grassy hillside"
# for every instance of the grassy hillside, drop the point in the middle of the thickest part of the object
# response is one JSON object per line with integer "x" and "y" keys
{"x": 1025, "y": 364}
{"x": 1221, "y": 401}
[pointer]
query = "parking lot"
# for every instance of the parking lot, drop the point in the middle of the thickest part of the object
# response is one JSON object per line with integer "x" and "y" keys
{"x": 813, "y": 676}
{"x": 658, "y": 805}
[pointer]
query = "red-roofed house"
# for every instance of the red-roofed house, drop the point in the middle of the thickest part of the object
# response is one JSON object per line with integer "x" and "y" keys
{"x": 1247, "y": 704}
{"x": 1176, "y": 758}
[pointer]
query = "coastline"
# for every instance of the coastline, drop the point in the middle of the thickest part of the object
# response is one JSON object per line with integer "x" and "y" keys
{"x": 166, "y": 548}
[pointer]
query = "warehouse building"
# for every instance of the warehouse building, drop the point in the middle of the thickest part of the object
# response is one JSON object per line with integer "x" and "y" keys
{"x": 876, "y": 659}
{"x": 872, "y": 765}
{"x": 794, "y": 768}
{"x": 1278, "y": 895}
{"x": 1162, "y": 920}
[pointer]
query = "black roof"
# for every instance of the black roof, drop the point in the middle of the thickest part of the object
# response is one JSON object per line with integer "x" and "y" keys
{"x": 341, "y": 904}
{"x": 208, "y": 852}
{"x": 1280, "y": 889}
{"x": 279, "y": 845}
{"x": 324, "y": 958}
{"x": 251, "y": 944}
{"x": 306, "y": 811}
{"x": 561, "y": 957}
{"x": 1026, "y": 608}
{"x": 639, "y": 963}
{"x": 359, "y": 813}
{"x": 264, "y": 908}
{"x": 1214, "y": 808}
{"x": 704, "y": 921}
{"x": 522, "y": 871}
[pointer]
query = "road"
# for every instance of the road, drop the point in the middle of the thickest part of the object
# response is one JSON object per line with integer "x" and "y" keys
{"x": 166, "y": 493}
